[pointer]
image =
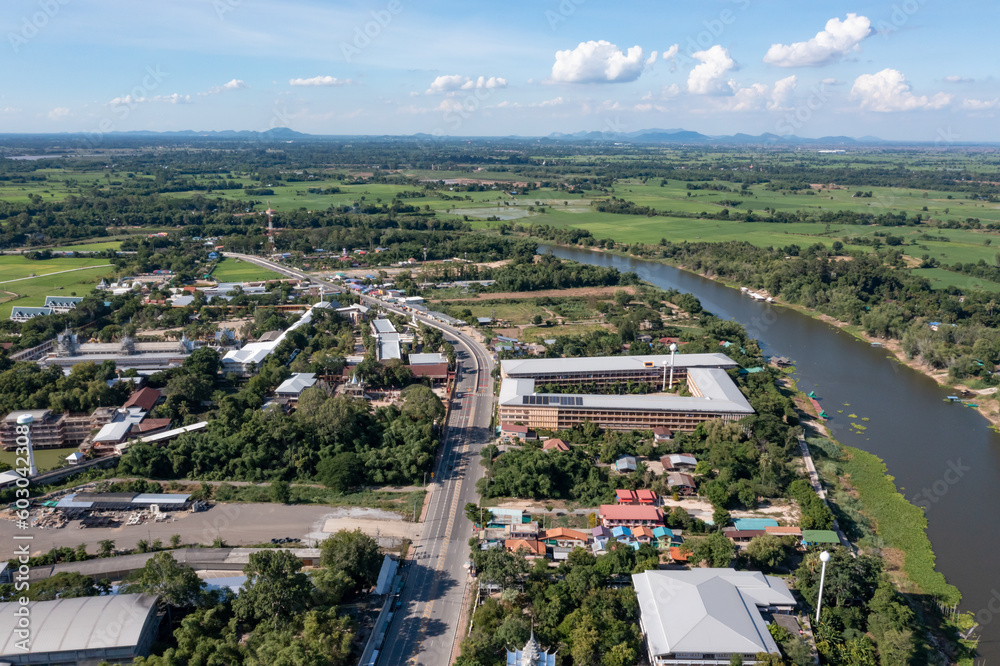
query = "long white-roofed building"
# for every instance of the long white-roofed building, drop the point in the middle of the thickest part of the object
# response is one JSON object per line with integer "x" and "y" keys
{"x": 714, "y": 395}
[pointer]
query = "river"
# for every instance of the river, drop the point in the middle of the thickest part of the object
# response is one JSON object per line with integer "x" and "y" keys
{"x": 943, "y": 456}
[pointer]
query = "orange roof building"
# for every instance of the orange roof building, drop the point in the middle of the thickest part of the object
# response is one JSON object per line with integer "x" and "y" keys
{"x": 534, "y": 546}
{"x": 555, "y": 445}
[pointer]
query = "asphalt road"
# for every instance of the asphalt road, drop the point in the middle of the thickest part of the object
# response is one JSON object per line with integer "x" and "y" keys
{"x": 424, "y": 631}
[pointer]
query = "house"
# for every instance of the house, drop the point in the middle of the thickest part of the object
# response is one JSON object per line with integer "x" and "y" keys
{"x": 678, "y": 462}
{"x": 74, "y": 458}
{"x": 626, "y": 464}
{"x": 503, "y": 517}
{"x": 615, "y": 515}
{"x": 754, "y": 523}
{"x": 25, "y": 314}
{"x": 428, "y": 359}
{"x": 534, "y": 547}
{"x": 684, "y": 483}
{"x": 510, "y": 431}
{"x": 642, "y": 534}
{"x": 290, "y": 389}
{"x": 784, "y": 530}
{"x": 664, "y": 536}
{"x": 738, "y": 536}
{"x": 646, "y": 496}
{"x": 62, "y": 304}
{"x": 708, "y": 616}
{"x": 566, "y": 538}
{"x": 626, "y": 497}
{"x": 145, "y": 399}
{"x": 662, "y": 434}
{"x": 678, "y": 556}
{"x": 621, "y": 533}
{"x": 356, "y": 313}
{"x": 819, "y": 538}
{"x": 528, "y": 530}
{"x": 555, "y": 444}
{"x": 437, "y": 372}
{"x": 601, "y": 532}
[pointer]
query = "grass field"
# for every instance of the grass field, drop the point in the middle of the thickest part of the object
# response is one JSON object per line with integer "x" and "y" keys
{"x": 234, "y": 270}
{"x": 48, "y": 280}
{"x": 941, "y": 278}
{"x": 89, "y": 247}
{"x": 45, "y": 459}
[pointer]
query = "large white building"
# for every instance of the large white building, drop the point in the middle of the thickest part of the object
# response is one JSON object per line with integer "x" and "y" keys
{"x": 714, "y": 395}
{"x": 706, "y": 616}
{"x": 247, "y": 360}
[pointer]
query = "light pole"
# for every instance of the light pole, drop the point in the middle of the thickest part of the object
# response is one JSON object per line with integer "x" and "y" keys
{"x": 824, "y": 557}
{"x": 673, "y": 350}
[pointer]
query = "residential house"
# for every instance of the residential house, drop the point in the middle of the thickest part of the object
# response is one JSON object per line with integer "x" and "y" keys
{"x": 555, "y": 444}
{"x": 614, "y": 515}
{"x": 533, "y": 547}
{"x": 626, "y": 497}
{"x": 290, "y": 389}
{"x": 626, "y": 464}
{"x": 662, "y": 434}
{"x": 684, "y": 483}
{"x": 642, "y": 534}
{"x": 679, "y": 462}
{"x": 566, "y": 538}
{"x": 646, "y": 496}
{"x": 522, "y": 432}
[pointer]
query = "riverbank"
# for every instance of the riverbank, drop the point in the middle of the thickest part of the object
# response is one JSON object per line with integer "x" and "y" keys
{"x": 988, "y": 407}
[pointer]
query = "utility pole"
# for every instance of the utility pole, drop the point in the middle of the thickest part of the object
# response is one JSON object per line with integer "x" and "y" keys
{"x": 824, "y": 557}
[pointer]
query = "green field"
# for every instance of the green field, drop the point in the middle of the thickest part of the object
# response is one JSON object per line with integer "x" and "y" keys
{"x": 941, "y": 278}
{"x": 45, "y": 459}
{"x": 89, "y": 247}
{"x": 234, "y": 270}
{"x": 48, "y": 280}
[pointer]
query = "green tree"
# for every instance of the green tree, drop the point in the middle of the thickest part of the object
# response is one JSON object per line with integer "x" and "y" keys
{"x": 275, "y": 588}
{"x": 716, "y": 549}
{"x": 105, "y": 548}
{"x": 281, "y": 491}
{"x": 176, "y": 584}
{"x": 354, "y": 553}
{"x": 766, "y": 551}
{"x": 341, "y": 471}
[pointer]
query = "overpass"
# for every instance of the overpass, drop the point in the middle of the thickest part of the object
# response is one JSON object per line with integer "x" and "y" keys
{"x": 425, "y": 630}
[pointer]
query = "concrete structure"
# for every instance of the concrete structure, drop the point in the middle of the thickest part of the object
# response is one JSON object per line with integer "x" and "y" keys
{"x": 247, "y": 360}
{"x": 706, "y": 616}
{"x": 84, "y": 630}
{"x": 127, "y": 353}
{"x": 531, "y": 655}
{"x": 565, "y": 537}
{"x": 48, "y": 430}
{"x": 713, "y": 393}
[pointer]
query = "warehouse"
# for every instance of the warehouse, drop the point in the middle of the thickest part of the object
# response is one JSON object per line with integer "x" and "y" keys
{"x": 82, "y": 630}
{"x": 713, "y": 393}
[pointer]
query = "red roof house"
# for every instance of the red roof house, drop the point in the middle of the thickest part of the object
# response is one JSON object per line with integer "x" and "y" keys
{"x": 145, "y": 399}
{"x": 646, "y": 497}
{"x": 623, "y": 515}
{"x": 626, "y": 497}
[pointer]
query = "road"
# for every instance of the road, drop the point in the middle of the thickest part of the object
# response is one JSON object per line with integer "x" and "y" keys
{"x": 425, "y": 630}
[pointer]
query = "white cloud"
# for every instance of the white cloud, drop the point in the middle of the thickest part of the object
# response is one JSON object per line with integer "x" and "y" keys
{"x": 750, "y": 98}
{"x": 708, "y": 77}
{"x": 320, "y": 81}
{"x": 58, "y": 113}
{"x": 598, "y": 62}
{"x": 888, "y": 91}
{"x": 957, "y": 79}
{"x": 129, "y": 100}
{"x": 980, "y": 104}
{"x": 672, "y": 52}
{"x": 838, "y": 39}
{"x": 651, "y": 60}
{"x": 235, "y": 84}
{"x": 783, "y": 89}
{"x": 452, "y": 82}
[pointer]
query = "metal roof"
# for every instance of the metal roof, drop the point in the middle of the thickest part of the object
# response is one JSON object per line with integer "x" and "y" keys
{"x": 754, "y": 523}
{"x": 428, "y": 359}
{"x": 383, "y": 326}
{"x": 36, "y": 414}
{"x": 297, "y": 383}
{"x": 160, "y": 498}
{"x": 82, "y": 623}
{"x": 708, "y": 610}
{"x": 537, "y": 366}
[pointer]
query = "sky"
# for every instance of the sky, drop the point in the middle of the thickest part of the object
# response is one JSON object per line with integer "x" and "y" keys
{"x": 906, "y": 70}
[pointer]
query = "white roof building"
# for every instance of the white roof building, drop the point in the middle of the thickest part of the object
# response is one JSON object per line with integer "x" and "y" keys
{"x": 295, "y": 385}
{"x": 706, "y": 616}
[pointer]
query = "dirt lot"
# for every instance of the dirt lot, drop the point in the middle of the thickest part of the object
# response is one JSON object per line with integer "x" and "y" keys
{"x": 236, "y": 524}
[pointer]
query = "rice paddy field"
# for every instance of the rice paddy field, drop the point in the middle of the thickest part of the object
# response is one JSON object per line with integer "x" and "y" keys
{"x": 234, "y": 270}
{"x": 27, "y": 283}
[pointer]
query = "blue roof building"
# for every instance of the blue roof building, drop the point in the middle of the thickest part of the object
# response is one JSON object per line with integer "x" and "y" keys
{"x": 742, "y": 524}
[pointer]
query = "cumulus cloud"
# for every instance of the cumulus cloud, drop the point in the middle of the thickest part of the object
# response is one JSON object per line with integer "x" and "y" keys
{"x": 889, "y": 90}
{"x": 835, "y": 41}
{"x": 58, "y": 113}
{"x": 980, "y": 104}
{"x": 320, "y": 81}
{"x": 129, "y": 100}
{"x": 783, "y": 89}
{"x": 598, "y": 62}
{"x": 235, "y": 84}
{"x": 708, "y": 77}
{"x": 672, "y": 52}
{"x": 750, "y": 98}
{"x": 453, "y": 82}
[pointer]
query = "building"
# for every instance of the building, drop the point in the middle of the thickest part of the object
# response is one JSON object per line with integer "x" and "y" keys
{"x": 625, "y": 515}
{"x": 123, "y": 501}
{"x": 145, "y": 399}
{"x": 819, "y": 538}
{"x": 533, "y": 547}
{"x": 754, "y": 523}
{"x": 48, "y": 430}
{"x": 566, "y": 538}
{"x": 555, "y": 444}
{"x": 512, "y": 430}
{"x": 433, "y": 358}
{"x": 62, "y": 304}
{"x": 784, "y": 530}
{"x": 684, "y": 483}
{"x": 126, "y": 353}
{"x": 713, "y": 393}
{"x": 625, "y": 496}
{"x": 678, "y": 462}
{"x": 82, "y": 630}
{"x": 247, "y": 360}
{"x": 22, "y": 314}
{"x": 292, "y": 388}
{"x": 708, "y": 616}
{"x": 626, "y": 465}
{"x": 661, "y": 434}
{"x": 531, "y": 655}
{"x": 437, "y": 373}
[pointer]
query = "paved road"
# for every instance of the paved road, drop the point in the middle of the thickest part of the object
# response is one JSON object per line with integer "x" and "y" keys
{"x": 425, "y": 630}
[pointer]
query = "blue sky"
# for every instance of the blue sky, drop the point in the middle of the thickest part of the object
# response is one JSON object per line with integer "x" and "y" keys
{"x": 909, "y": 70}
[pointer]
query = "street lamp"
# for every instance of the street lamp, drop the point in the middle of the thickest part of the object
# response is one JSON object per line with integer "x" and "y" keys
{"x": 824, "y": 557}
{"x": 673, "y": 350}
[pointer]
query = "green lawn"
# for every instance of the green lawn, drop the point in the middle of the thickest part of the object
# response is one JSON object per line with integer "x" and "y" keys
{"x": 89, "y": 247}
{"x": 32, "y": 293}
{"x": 45, "y": 459}
{"x": 941, "y": 278}
{"x": 234, "y": 270}
{"x": 13, "y": 266}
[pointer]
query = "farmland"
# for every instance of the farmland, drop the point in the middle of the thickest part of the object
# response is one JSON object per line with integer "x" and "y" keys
{"x": 27, "y": 283}
{"x": 234, "y": 270}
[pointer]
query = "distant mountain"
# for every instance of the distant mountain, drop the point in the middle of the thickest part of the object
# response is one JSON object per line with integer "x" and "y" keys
{"x": 681, "y": 136}
{"x": 276, "y": 134}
